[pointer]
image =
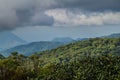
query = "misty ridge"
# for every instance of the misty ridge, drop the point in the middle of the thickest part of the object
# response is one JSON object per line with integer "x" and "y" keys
{"x": 8, "y": 40}
{"x": 12, "y": 43}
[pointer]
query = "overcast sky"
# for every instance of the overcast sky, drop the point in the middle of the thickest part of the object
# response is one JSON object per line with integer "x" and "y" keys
{"x": 59, "y": 18}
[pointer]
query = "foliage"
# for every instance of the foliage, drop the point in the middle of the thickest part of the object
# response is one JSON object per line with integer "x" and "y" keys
{"x": 93, "y": 59}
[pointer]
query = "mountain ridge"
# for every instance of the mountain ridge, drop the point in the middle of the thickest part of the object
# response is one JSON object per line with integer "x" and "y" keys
{"x": 35, "y": 46}
{"x": 63, "y": 40}
{"x": 9, "y": 39}
{"x": 32, "y": 48}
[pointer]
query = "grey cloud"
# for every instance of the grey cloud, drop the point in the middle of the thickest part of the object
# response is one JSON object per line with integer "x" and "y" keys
{"x": 17, "y": 13}
{"x": 67, "y": 17}
{"x": 41, "y": 18}
{"x": 91, "y": 5}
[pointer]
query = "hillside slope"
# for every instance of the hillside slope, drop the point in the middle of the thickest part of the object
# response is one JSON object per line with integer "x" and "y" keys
{"x": 91, "y": 47}
{"x": 85, "y": 60}
{"x": 31, "y": 48}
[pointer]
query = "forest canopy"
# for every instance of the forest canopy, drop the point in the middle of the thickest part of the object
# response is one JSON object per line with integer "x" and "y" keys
{"x": 93, "y": 59}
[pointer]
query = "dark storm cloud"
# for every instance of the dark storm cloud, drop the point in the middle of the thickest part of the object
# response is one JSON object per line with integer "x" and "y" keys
{"x": 41, "y": 18}
{"x": 17, "y": 13}
{"x": 91, "y": 5}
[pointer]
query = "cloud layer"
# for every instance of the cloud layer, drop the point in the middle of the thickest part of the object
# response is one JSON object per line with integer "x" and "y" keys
{"x": 18, "y": 13}
{"x": 91, "y": 5}
{"x": 67, "y": 17}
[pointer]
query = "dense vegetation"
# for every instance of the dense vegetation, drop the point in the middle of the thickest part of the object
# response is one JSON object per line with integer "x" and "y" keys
{"x": 93, "y": 59}
{"x": 78, "y": 49}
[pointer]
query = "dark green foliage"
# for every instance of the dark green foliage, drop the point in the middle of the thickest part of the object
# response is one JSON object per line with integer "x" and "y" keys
{"x": 92, "y": 47}
{"x": 93, "y": 59}
{"x": 102, "y": 67}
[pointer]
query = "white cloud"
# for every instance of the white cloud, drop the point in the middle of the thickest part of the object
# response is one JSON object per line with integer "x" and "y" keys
{"x": 68, "y": 17}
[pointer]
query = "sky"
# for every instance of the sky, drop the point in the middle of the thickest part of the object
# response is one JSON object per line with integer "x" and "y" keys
{"x": 36, "y": 20}
{"x": 46, "y": 33}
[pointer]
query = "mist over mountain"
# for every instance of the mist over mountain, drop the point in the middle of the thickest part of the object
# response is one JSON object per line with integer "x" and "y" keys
{"x": 32, "y": 48}
{"x": 8, "y": 40}
{"x": 63, "y": 40}
{"x": 115, "y": 35}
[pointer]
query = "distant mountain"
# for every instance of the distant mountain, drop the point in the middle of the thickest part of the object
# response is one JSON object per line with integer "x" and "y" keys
{"x": 8, "y": 40}
{"x": 1, "y": 49}
{"x": 31, "y": 48}
{"x": 81, "y": 39}
{"x": 116, "y": 35}
{"x": 64, "y": 40}
{"x": 34, "y": 47}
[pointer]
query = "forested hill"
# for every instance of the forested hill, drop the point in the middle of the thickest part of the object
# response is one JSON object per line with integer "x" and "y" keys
{"x": 91, "y": 47}
{"x": 86, "y": 60}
